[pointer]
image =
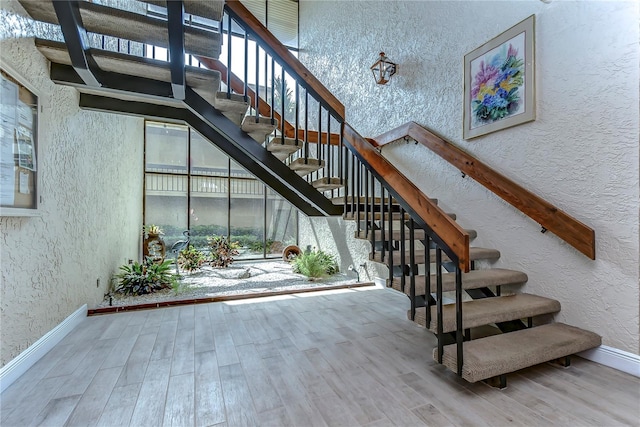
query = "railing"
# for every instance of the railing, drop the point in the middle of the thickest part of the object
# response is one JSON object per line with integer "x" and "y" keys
{"x": 548, "y": 216}
{"x": 371, "y": 185}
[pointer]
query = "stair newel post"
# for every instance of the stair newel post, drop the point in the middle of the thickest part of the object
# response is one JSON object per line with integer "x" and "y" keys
{"x": 382, "y": 236}
{"x": 412, "y": 271}
{"x": 439, "y": 332}
{"x": 459, "y": 333}
{"x": 390, "y": 219}
{"x": 403, "y": 264}
{"x": 229, "y": 37}
{"x": 427, "y": 275}
{"x": 246, "y": 66}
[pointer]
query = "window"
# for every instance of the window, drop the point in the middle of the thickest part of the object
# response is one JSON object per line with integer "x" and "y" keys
{"x": 191, "y": 185}
{"x": 18, "y": 147}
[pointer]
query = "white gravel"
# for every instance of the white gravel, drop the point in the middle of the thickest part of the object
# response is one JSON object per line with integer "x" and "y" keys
{"x": 239, "y": 278}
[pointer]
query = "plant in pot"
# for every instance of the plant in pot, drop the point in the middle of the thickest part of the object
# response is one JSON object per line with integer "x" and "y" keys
{"x": 145, "y": 278}
{"x": 153, "y": 246}
{"x": 222, "y": 251}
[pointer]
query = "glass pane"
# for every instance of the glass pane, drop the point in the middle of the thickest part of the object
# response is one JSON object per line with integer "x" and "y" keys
{"x": 166, "y": 148}
{"x": 206, "y": 158}
{"x": 166, "y": 206}
{"x": 247, "y": 216}
{"x": 239, "y": 172}
{"x": 282, "y": 224}
{"x": 209, "y": 209}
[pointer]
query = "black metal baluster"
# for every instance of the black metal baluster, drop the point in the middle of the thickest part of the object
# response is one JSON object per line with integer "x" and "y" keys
{"x": 372, "y": 232}
{"x": 329, "y": 166}
{"x": 373, "y": 200}
{"x": 357, "y": 192}
{"x": 390, "y": 219}
{"x": 383, "y": 240}
{"x": 273, "y": 92}
{"x": 297, "y": 112}
{"x": 229, "y": 56}
{"x": 306, "y": 125}
{"x": 439, "y": 332}
{"x": 427, "y": 275}
{"x": 256, "y": 94}
{"x": 403, "y": 264}
{"x": 282, "y": 98}
{"x": 459, "y": 334}
{"x": 412, "y": 267}
{"x": 319, "y": 144}
{"x": 366, "y": 203}
{"x": 246, "y": 66}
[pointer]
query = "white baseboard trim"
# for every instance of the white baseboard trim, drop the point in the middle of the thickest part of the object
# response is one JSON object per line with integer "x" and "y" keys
{"x": 19, "y": 365}
{"x": 614, "y": 358}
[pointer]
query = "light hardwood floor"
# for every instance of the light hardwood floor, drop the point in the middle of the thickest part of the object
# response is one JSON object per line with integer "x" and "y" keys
{"x": 345, "y": 358}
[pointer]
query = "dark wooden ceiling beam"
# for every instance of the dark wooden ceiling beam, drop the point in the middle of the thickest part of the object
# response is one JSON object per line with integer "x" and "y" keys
{"x": 75, "y": 36}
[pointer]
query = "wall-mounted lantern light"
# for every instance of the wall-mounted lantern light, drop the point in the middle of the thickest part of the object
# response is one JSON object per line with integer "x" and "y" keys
{"x": 383, "y": 69}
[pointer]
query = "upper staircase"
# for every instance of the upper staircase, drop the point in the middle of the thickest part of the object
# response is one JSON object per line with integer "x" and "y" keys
{"x": 307, "y": 153}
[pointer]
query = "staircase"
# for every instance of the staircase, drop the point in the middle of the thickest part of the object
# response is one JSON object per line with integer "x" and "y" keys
{"x": 485, "y": 327}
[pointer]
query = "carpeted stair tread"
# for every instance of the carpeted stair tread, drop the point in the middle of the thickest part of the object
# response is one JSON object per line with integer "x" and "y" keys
{"x": 210, "y": 9}
{"x": 284, "y": 150}
{"x": 418, "y": 234}
{"x": 128, "y": 25}
{"x": 475, "y": 253}
{"x": 326, "y": 184}
{"x": 474, "y": 279}
{"x": 200, "y": 80}
{"x": 259, "y": 129}
{"x": 232, "y": 106}
{"x": 487, "y": 311}
{"x": 302, "y": 167}
{"x": 505, "y": 353}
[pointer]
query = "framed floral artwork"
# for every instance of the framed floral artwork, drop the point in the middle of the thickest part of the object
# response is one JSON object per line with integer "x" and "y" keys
{"x": 499, "y": 82}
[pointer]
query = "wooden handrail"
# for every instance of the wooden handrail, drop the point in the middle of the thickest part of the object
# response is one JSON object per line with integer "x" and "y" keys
{"x": 456, "y": 238}
{"x": 290, "y": 62}
{"x": 548, "y": 216}
{"x": 237, "y": 85}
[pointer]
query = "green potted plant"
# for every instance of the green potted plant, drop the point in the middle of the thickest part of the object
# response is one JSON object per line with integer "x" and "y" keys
{"x": 153, "y": 245}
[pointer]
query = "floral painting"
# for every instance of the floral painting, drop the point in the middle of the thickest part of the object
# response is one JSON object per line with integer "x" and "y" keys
{"x": 499, "y": 82}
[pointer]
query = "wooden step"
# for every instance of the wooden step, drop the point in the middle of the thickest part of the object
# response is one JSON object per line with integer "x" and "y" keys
{"x": 233, "y": 106}
{"x": 259, "y": 129}
{"x": 303, "y": 168}
{"x": 487, "y": 311}
{"x": 474, "y": 279}
{"x": 418, "y": 234}
{"x": 210, "y": 9}
{"x": 326, "y": 184}
{"x": 201, "y": 80}
{"x": 284, "y": 150}
{"x": 130, "y": 26}
{"x": 505, "y": 353}
{"x": 377, "y": 216}
{"x": 474, "y": 255}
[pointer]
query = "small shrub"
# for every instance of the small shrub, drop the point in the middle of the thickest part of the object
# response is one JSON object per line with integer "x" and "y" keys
{"x": 315, "y": 264}
{"x": 191, "y": 259}
{"x": 222, "y": 251}
{"x": 145, "y": 278}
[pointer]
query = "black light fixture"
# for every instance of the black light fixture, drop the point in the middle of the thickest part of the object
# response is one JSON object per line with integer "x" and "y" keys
{"x": 383, "y": 69}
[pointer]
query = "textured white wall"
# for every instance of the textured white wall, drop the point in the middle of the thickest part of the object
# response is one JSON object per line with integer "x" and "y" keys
{"x": 580, "y": 154}
{"x": 90, "y": 171}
